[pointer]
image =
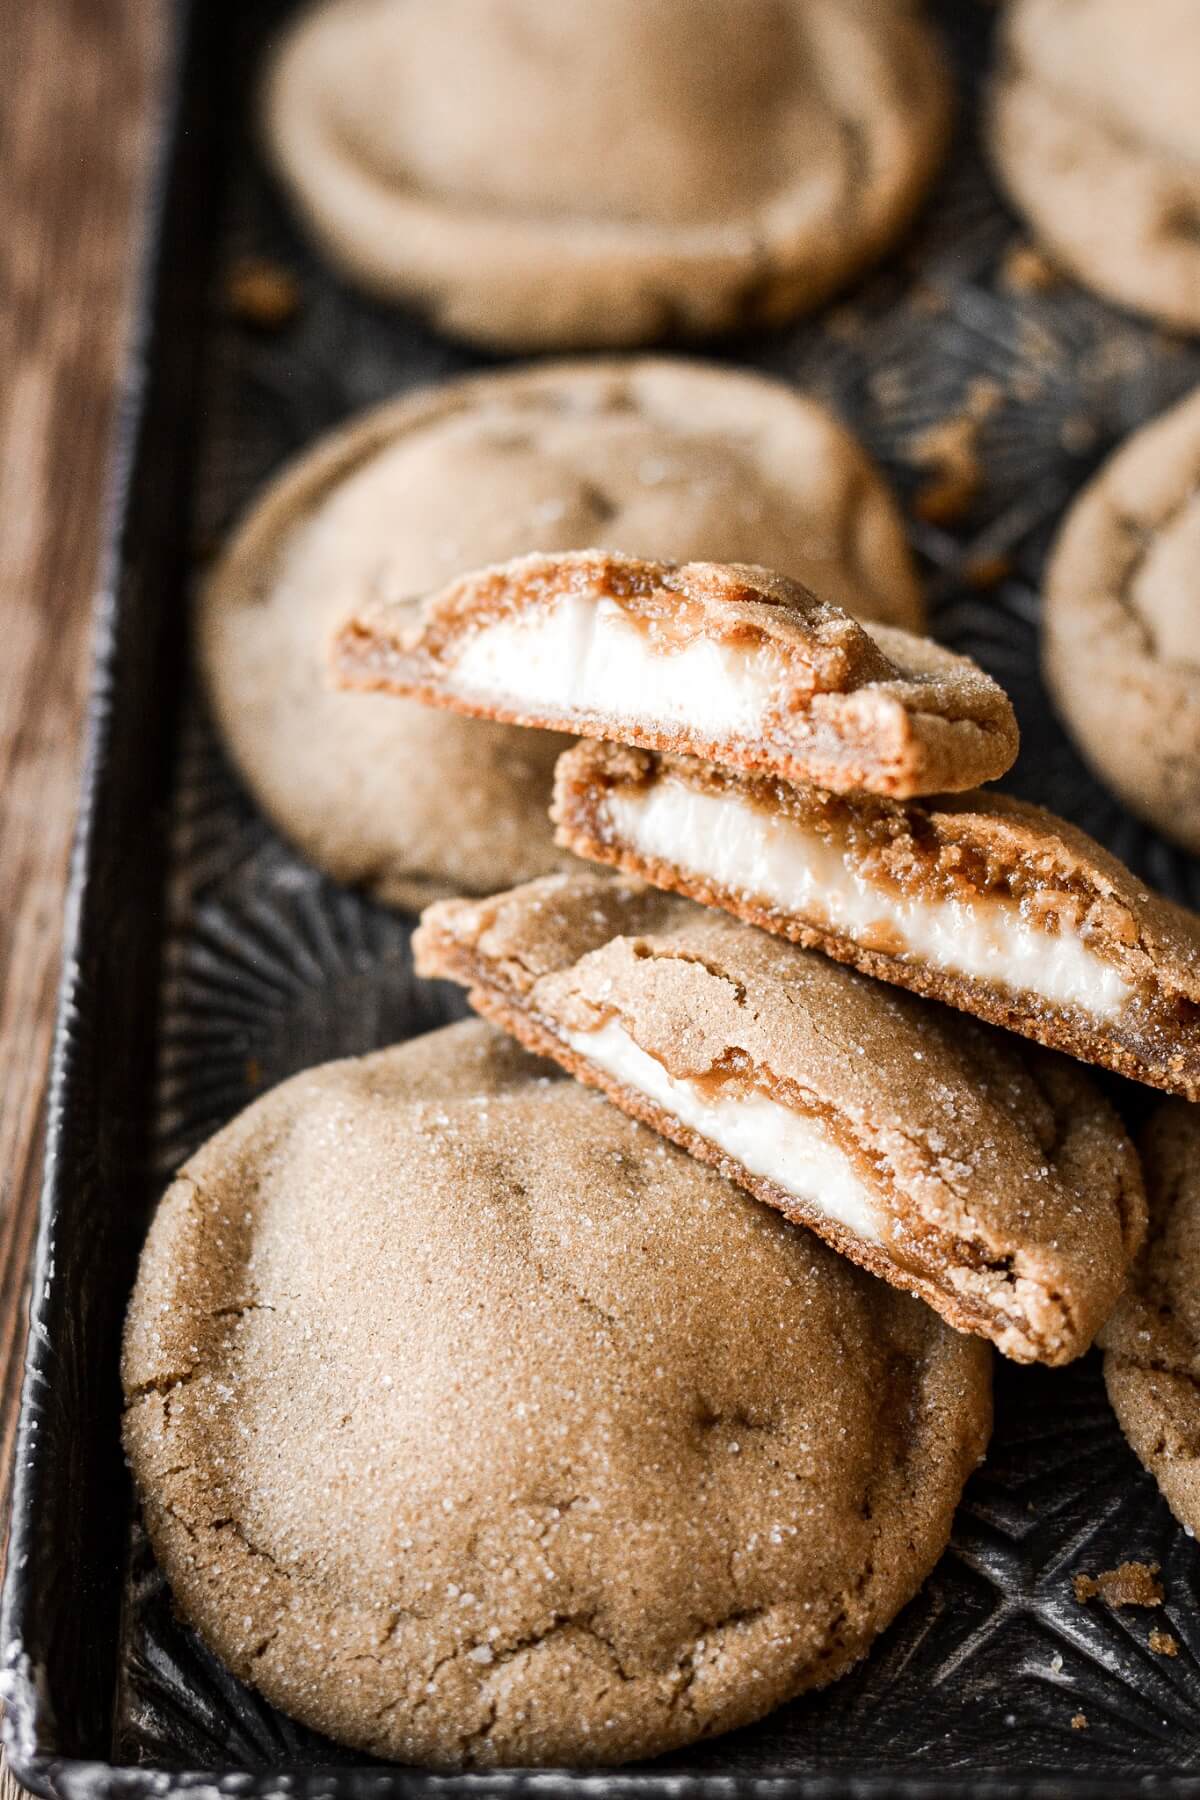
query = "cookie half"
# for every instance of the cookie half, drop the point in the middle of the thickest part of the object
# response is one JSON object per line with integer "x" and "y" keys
{"x": 437, "y": 1368}
{"x": 536, "y": 174}
{"x": 1121, "y": 622}
{"x": 985, "y": 902}
{"x": 1152, "y": 1342}
{"x": 1095, "y": 132}
{"x": 665, "y": 458}
{"x": 993, "y": 1181}
{"x": 726, "y": 661}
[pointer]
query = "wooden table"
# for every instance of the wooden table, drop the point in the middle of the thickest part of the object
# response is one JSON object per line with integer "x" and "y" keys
{"x": 80, "y": 81}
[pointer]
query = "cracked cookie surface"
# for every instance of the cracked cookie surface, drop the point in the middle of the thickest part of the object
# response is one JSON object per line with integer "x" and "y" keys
{"x": 1121, "y": 623}
{"x": 540, "y": 175}
{"x": 1152, "y": 1342}
{"x": 990, "y": 1178}
{"x": 666, "y": 458}
{"x": 475, "y": 1424}
{"x": 1096, "y": 134}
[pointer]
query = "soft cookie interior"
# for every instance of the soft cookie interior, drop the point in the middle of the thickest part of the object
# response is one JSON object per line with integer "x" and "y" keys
{"x": 986, "y": 903}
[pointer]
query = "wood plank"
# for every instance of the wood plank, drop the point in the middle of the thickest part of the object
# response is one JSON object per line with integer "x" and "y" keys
{"x": 75, "y": 128}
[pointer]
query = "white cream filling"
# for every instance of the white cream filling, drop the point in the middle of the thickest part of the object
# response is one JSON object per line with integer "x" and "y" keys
{"x": 765, "y": 1137}
{"x": 586, "y": 655}
{"x": 765, "y": 855}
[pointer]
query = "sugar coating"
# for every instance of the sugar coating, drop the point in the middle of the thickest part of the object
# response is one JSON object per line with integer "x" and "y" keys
{"x": 475, "y": 1424}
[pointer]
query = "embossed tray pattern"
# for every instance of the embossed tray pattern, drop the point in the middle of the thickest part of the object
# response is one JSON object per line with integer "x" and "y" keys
{"x": 209, "y": 961}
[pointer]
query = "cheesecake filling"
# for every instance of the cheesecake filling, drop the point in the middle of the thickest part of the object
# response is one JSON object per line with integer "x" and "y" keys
{"x": 587, "y": 655}
{"x": 768, "y": 856}
{"x": 767, "y": 1138}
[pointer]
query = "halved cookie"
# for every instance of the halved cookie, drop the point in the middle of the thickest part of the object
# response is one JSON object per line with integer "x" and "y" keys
{"x": 985, "y": 902}
{"x": 993, "y": 1181}
{"x": 1121, "y": 622}
{"x": 1096, "y": 133}
{"x": 666, "y": 458}
{"x": 727, "y": 661}
{"x": 535, "y": 173}
{"x": 1152, "y": 1342}
{"x": 475, "y": 1425}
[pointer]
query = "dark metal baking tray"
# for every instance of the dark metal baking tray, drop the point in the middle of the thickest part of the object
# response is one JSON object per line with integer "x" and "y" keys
{"x": 205, "y": 961}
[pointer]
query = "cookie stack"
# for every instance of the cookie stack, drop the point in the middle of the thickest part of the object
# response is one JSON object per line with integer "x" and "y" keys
{"x": 759, "y": 750}
{"x": 587, "y": 1379}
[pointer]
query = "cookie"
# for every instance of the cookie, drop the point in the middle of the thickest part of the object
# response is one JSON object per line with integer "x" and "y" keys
{"x": 978, "y": 900}
{"x": 726, "y": 661}
{"x": 1121, "y": 622}
{"x": 1095, "y": 133}
{"x": 663, "y": 457}
{"x": 993, "y": 1181}
{"x": 473, "y": 1424}
{"x": 1152, "y": 1342}
{"x": 533, "y": 174}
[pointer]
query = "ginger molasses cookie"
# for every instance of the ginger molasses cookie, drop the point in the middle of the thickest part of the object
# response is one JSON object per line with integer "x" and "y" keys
{"x": 660, "y": 457}
{"x": 474, "y": 1424}
{"x": 721, "y": 660}
{"x": 976, "y": 899}
{"x": 1152, "y": 1341}
{"x": 536, "y": 174}
{"x": 1096, "y": 134}
{"x": 992, "y": 1180}
{"x": 1121, "y": 644}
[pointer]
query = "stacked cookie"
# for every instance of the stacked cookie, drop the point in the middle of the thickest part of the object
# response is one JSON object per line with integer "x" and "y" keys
{"x": 759, "y": 750}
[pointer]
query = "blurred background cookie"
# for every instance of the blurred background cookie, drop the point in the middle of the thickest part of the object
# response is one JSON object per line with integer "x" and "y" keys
{"x": 541, "y": 174}
{"x": 655, "y": 457}
{"x": 1095, "y": 131}
{"x": 475, "y": 1425}
{"x": 1121, "y": 643}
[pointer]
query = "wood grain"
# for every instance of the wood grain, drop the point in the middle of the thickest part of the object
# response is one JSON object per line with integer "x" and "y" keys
{"x": 75, "y": 125}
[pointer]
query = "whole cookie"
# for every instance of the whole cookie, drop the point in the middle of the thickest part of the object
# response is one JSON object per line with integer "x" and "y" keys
{"x": 665, "y": 458}
{"x": 1095, "y": 132}
{"x": 1121, "y": 644}
{"x": 475, "y": 1425}
{"x": 1152, "y": 1341}
{"x": 540, "y": 175}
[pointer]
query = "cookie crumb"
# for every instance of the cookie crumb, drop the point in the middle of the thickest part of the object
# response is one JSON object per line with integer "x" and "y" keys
{"x": 1163, "y": 1644}
{"x": 1027, "y": 270}
{"x": 1079, "y": 1722}
{"x": 1132, "y": 1584}
{"x": 948, "y": 450}
{"x": 262, "y": 293}
{"x": 987, "y": 571}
